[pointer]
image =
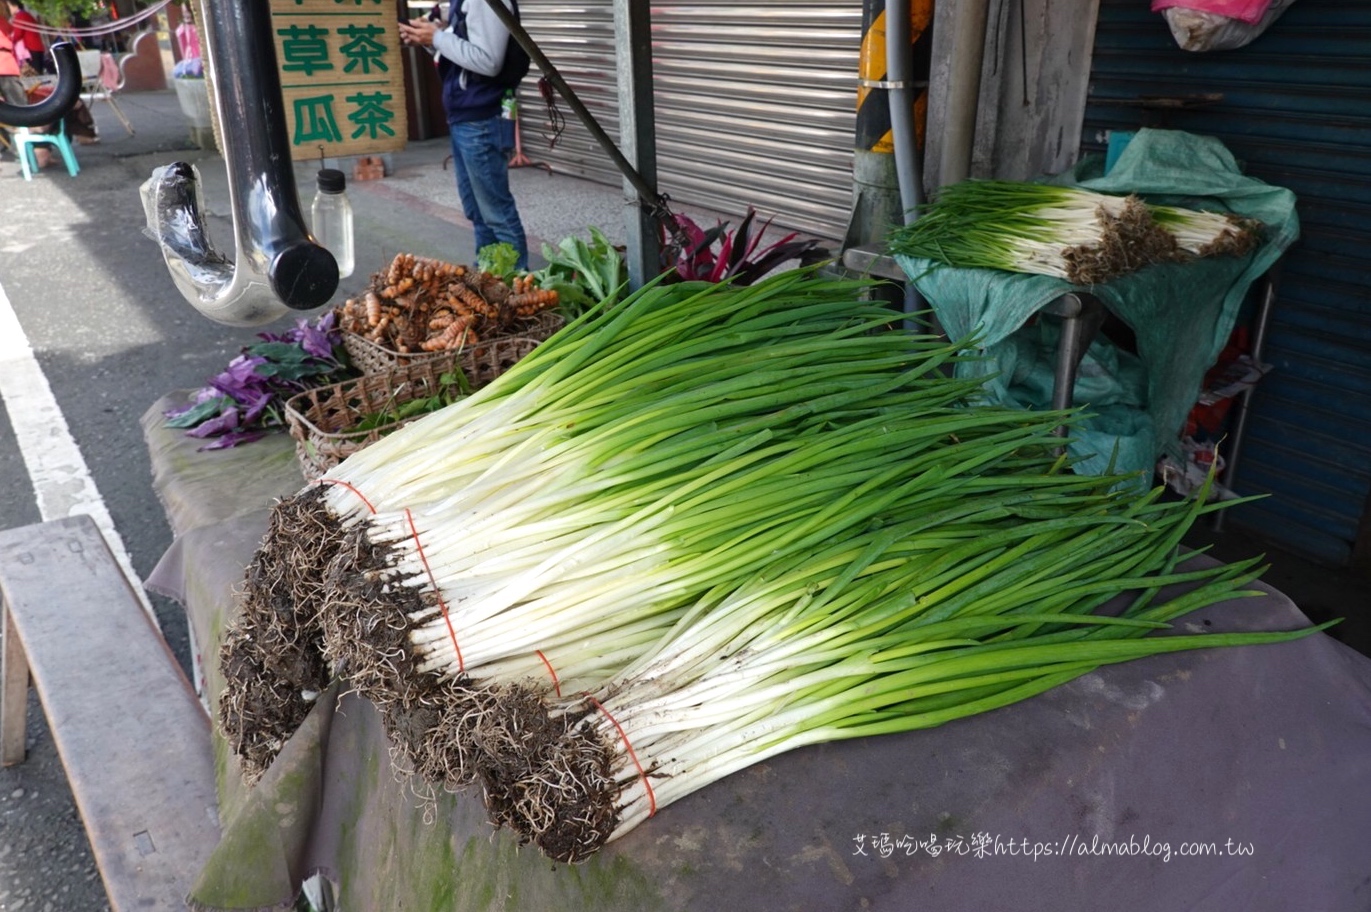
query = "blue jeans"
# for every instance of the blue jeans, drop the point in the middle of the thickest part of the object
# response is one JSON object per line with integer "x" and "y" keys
{"x": 480, "y": 157}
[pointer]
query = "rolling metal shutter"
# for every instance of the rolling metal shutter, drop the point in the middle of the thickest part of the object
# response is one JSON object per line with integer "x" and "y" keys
{"x": 755, "y": 103}
{"x": 1296, "y": 109}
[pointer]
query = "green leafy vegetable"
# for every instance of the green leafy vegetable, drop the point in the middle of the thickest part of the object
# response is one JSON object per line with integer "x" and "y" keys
{"x": 1068, "y": 232}
{"x": 500, "y": 260}
{"x": 583, "y": 273}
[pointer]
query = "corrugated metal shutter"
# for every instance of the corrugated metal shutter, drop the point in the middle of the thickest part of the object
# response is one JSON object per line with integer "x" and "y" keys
{"x": 1296, "y": 109}
{"x": 755, "y": 102}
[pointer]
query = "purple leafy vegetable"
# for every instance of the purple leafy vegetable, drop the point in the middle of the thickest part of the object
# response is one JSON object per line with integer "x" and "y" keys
{"x": 243, "y": 401}
{"x": 716, "y": 254}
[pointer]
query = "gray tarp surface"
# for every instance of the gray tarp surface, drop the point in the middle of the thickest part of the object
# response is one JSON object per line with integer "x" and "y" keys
{"x": 1087, "y": 797}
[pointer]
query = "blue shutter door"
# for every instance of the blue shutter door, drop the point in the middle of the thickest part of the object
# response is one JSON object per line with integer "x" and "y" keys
{"x": 1296, "y": 110}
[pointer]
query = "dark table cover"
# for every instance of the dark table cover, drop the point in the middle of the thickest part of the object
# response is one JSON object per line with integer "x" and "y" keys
{"x": 1231, "y": 779}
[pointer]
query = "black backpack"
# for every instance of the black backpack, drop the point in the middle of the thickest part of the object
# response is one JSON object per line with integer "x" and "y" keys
{"x": 517, "y": 61}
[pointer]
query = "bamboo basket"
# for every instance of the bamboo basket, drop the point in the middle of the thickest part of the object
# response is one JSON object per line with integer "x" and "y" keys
{"x": 482, "y": 361}
{"x": 324, "y": 420}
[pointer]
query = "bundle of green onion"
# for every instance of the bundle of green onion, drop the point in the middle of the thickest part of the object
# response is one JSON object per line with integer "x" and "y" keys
{"x": 1075, "y": 234}
{"x": 700, "y": 527}
{"x": 1201, "y": 234}
{"x": 966, "y": 604}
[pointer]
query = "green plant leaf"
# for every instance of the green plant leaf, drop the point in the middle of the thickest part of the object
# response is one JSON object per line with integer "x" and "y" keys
{"x": 207, "y": 409}
{"x": 500, "y": 260}
{"x": 56, "y": 13}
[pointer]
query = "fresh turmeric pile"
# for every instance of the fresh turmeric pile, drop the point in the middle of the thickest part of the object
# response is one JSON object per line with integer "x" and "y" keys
{"x": 425, "y": 305}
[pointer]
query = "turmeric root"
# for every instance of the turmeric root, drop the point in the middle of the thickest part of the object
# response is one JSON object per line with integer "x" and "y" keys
{"x": 457, "y": 334}
{"x": 528, "y": 303}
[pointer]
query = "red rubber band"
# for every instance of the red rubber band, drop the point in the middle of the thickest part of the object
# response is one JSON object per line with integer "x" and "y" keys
{"x": 632, "y": 755}
{"x": 556, "y": 684}
{"x": 461, "y": 666}
{"x": 359, "y": 494}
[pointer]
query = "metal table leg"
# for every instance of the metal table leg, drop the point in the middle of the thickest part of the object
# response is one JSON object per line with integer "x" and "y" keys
{"x": 1082, "y": 315}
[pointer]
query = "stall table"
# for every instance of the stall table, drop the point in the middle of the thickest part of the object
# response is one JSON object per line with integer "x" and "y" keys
{"x": 1208, "y": 780}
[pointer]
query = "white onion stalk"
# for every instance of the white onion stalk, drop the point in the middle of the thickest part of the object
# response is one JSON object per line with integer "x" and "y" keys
{"x": 1070, "y": 233}
{"x": 1201, "y": 233}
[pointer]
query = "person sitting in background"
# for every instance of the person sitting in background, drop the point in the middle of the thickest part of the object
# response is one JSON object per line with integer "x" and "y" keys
{"x": 27, "y": 37}
{"x": 80, "y": 125}
{"x": 11, "y": 89}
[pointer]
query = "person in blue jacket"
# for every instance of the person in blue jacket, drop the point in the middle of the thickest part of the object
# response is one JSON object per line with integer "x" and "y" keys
{"x": 470, "y": 53}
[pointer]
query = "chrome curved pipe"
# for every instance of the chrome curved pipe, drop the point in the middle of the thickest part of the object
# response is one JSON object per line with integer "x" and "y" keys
{"x": 56, "y": 105}
{"x": 277, "y": 267}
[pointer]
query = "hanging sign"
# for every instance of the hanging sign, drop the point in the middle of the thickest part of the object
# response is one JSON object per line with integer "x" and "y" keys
{"x": 341, "y": 76}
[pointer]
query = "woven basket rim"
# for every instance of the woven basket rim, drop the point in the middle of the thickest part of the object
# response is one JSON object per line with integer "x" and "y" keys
{"x": 548, "y": 321}
{"x": 301, "y": 404}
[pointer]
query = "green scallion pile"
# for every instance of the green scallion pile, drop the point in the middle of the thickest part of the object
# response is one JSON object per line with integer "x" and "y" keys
{"x": 1075, "y": 234}
{"x": 694, "y": 529}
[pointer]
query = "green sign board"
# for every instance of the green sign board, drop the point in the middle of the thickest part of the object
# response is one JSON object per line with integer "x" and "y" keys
{"x": 342, "y": 80}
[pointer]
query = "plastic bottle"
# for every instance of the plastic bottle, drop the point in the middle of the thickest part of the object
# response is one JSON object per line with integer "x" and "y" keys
{"x": 331, "y": 216}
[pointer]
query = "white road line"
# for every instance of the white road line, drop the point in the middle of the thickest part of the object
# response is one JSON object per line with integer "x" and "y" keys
{"x": 61, "y": 480}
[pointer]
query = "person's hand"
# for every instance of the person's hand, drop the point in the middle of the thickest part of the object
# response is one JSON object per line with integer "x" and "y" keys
{"x": 418, "y": 32}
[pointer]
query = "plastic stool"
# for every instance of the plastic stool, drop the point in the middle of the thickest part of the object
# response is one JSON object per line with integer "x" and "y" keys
{"x": 25, "y": 140}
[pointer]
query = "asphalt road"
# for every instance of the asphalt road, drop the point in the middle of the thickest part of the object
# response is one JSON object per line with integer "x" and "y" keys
{"x": 111, "y": 335}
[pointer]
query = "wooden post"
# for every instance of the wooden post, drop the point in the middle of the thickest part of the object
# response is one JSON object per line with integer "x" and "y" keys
{"x": 14, "y": 695}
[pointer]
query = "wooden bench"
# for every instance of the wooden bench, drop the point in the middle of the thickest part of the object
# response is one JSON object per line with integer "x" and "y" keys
{"x": 133, "y": 737}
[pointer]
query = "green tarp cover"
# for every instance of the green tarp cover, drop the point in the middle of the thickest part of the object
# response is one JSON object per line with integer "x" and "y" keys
{"x": 1181, "y": 313}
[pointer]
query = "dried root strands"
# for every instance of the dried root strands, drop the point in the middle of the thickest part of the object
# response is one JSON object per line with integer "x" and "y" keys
{"x": 1128, "y": 240}
{"x": 569, "y": 806}
{"x": 364, "y": 622}
{"x": 258, "y": 711}
{"x": 540, "y": 775}
{"x": 272, "y": 652}
{"x": 281, "y": 596}
{"x": 432, "y": 731}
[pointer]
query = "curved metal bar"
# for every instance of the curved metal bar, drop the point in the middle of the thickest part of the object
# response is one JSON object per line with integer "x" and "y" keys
{"x": 277, "y": 266}
{"x": 56, "y": 105}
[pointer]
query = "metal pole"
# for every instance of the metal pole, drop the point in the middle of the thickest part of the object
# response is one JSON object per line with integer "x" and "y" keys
{"x": 276, "y": 265}
{"x": 899, "y": 50}
{"x": 637, "y": 133}
{"x": 1268, "y": 302}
